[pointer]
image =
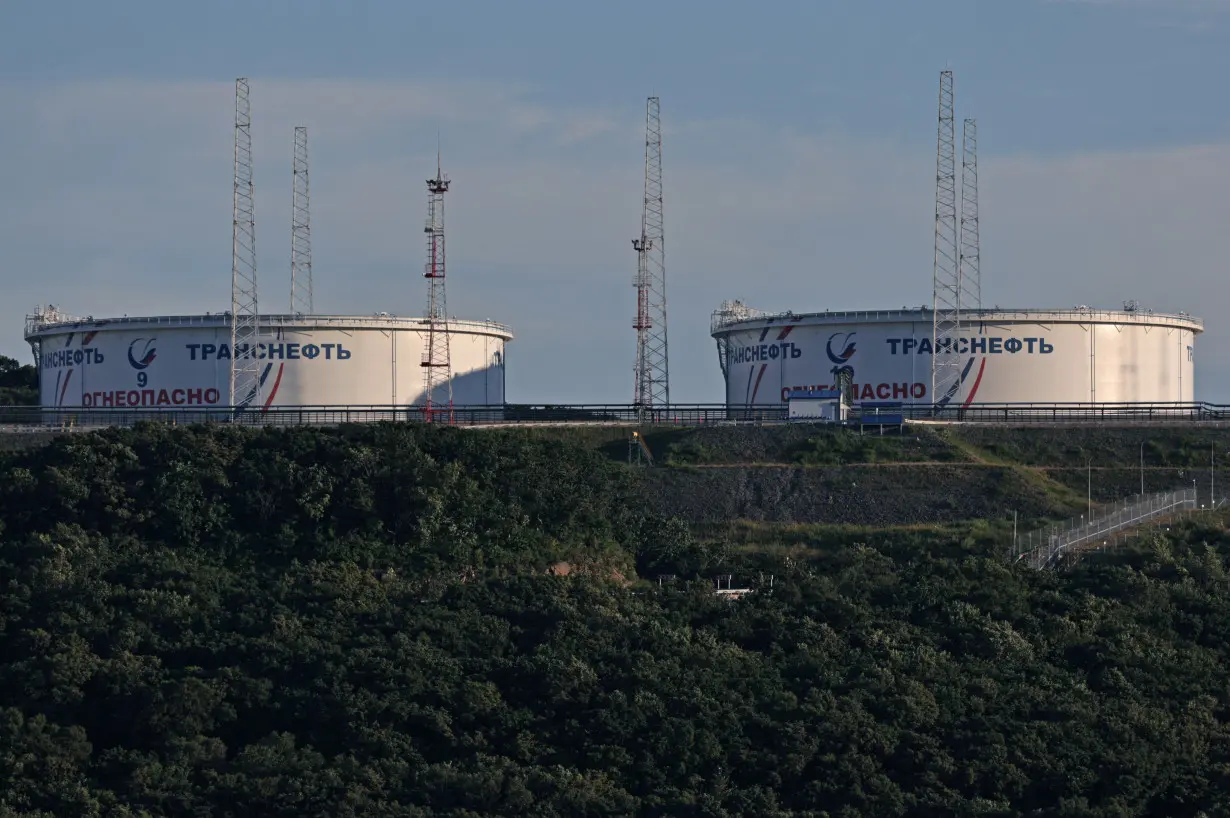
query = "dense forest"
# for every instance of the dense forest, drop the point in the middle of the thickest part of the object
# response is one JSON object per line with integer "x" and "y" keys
{"x": 415, "y": 621}
{"x": 18, "y": 383}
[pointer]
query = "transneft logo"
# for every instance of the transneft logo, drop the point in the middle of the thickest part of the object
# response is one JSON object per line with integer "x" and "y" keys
{"x": 71, "y": 357}
{"x": 778, "y": 350}
{"x": 971, "y": 346}
{"x": 141, "y": 353}
{"x": 845, "y": 347}
{"x": 287, "y": 352}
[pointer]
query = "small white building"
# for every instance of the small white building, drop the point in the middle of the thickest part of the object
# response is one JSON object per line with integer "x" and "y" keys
{"x": 816, "y": 406}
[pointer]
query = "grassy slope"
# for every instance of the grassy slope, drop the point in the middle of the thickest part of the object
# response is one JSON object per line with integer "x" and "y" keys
{"x": 775, "y": 477}
{"x": 815, "y": 476}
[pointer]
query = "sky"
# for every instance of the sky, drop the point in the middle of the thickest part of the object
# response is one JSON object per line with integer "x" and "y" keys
{"x": 798, "y": 152}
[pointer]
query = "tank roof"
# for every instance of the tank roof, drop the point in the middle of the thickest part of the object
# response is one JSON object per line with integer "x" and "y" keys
{"x": 51, "y": 320}
{"x": 733, "y": 315}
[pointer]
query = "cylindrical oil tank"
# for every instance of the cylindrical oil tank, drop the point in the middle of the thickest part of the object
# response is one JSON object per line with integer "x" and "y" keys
{"x": 304, "y": 360}
{"x": 1080, "y": 355}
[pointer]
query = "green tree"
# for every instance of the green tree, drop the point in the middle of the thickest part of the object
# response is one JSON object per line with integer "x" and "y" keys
{"x": 363, "y": 621}
{"x": 18, "y": 383}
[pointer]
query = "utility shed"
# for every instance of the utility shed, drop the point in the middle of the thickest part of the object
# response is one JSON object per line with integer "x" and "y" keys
{"x": 816, "y": 406}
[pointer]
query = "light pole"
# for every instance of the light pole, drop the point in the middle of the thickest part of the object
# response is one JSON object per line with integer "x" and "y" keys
{"x": 1089, "y": 487}
{"x": 1142, "y": 468}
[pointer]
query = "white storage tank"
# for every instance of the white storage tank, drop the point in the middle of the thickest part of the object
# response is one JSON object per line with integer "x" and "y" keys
{"x": 184, "y": 361}
{"x": 1079, "y": 355}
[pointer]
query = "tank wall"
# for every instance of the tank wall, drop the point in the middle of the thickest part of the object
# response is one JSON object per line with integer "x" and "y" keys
{"x": 190, "y": 366}
{"x": 1001, "y": 363}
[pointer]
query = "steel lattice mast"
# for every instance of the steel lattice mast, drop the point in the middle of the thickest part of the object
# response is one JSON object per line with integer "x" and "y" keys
{"x": 437, "y": 365}
{"x": 301, "y": 302}
{"x": 971, "y": 276}
{"x": 652, "y": 389}
{"x": 945, "y": 282}
{"x": 245, "y": 385}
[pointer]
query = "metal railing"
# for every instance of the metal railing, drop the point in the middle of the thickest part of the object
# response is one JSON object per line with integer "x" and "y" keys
{"x": 735, "y": 314}
{"x": 627, "y": 414}
{"x": 1047, "y": 547}
{"x": 13, "y": 418}
{"x": 1025, "y": 413}
{"x": 41, "y": 322}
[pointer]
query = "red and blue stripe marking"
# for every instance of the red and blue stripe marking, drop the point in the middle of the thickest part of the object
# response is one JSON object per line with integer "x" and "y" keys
{"x": 750, "y": 392}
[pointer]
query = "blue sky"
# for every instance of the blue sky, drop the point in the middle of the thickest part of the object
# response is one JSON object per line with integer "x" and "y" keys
{"x": 799, "y": 160}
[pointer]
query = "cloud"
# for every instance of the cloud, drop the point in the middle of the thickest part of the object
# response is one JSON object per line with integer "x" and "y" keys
{"x": 120, "y": 204}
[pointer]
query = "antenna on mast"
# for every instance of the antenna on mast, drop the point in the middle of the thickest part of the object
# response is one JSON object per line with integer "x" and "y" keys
{"x": 245, "y": 381}
{"x": 437, "y": 364}
{"x": 971, "y": 261}
{"x": 301, "y": 301}
{"x": 945, "y": 279}
{"x": 652, "y": 388}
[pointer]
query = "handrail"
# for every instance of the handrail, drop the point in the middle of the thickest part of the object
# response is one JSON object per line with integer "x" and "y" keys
{"x": 722, "y": 320}
{"x": 676, "y": 414}
{"x": 1047, "y": 547}
{"x": 36, "y": 325}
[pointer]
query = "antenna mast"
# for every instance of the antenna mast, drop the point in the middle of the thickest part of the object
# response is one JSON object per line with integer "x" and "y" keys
{"x": 652, "y": 388}
{"x": 245, "y": 379}
{"x": 437, "y": 365}
{"x": 945, "y": 281}
{"x": 300, "y": 231}
{"x": 971, "y": 276}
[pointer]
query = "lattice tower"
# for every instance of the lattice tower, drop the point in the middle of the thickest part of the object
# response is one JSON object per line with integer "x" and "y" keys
{"x": 245, "y": 381}
{"x": 652, "y": 387}
{"x": 437, "y": 365}
{"x": 946, "y": 284}
{"x": 301, "y": 300}
{"x": 971, "y": 276}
